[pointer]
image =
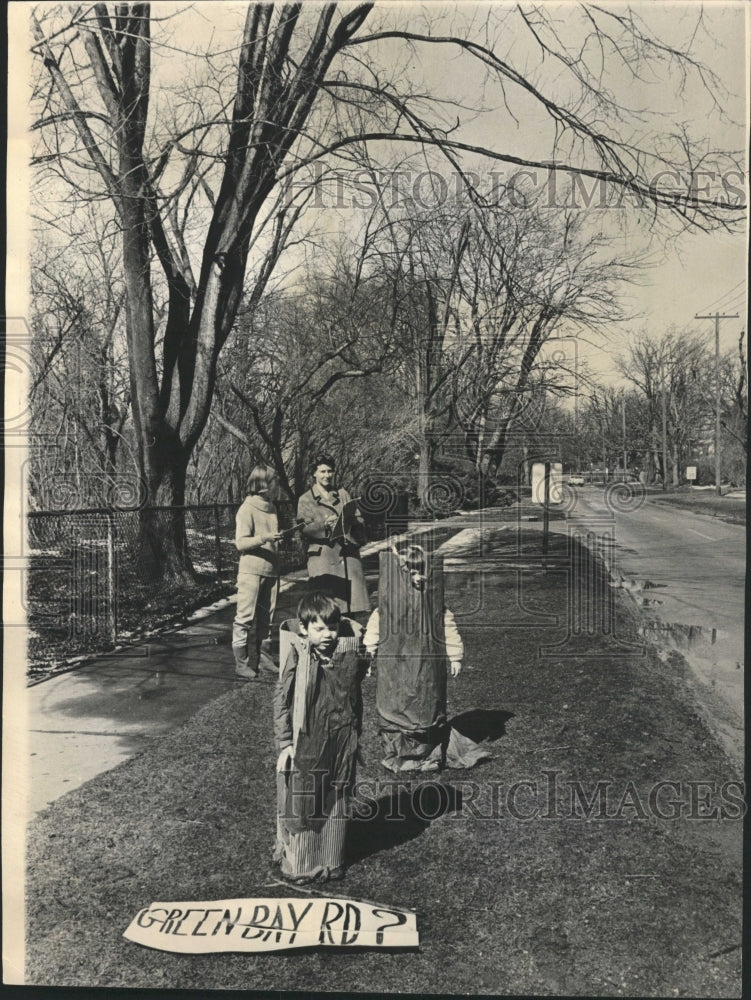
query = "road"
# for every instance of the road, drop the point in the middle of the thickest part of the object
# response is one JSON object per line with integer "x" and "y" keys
{"x": 685, "y": 569}
{"x": 697, "y": 562}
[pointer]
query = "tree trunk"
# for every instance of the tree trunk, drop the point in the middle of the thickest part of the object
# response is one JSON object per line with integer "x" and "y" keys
{"x": 163, "y": 543}
{"x": 425, "y": 379}
{"x": 526, "y": 477}
{"x": 300, "y": 461}
{"x": 495, "y": 450}
{"x": 426, "y": 465}
{"x": 657, "y": 460}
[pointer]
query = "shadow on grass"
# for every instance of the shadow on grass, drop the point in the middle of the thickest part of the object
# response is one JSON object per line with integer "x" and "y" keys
{"x": 479, "y": 724}
{"x": 399, "y": 815}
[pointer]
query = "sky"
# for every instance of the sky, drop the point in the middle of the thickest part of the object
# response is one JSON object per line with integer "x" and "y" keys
{"x": 692, "y": 274}
{"x": 698, "y": 272}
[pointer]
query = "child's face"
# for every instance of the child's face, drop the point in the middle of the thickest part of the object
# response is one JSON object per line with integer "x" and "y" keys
{"x": 321, "y": 635}
{"x": 272, "y": 489}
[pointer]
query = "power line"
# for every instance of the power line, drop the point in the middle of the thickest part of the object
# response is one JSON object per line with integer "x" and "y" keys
{"x": 717, "y": 302}
{"x": 736, "y": 301}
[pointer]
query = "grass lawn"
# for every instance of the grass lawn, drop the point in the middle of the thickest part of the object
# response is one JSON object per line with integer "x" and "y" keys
{"x": 731, "y": 509}
{"x": 515, "y": 893}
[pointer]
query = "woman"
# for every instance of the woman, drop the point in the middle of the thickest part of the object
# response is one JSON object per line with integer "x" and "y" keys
{"x": 333, "y": 552}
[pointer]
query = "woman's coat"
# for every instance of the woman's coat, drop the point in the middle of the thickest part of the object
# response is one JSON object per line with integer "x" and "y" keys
{"x": 333, "y": 564}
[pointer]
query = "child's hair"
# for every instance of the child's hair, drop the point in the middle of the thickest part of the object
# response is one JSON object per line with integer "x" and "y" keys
{"x": 322, "y": 460}
{"x": 260, "y": 479}
{"x": 318, "y": 605}
{"x": 412, "y": 558}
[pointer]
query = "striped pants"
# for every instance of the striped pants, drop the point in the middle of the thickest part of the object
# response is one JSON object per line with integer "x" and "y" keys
{"x": 310, "y": 855}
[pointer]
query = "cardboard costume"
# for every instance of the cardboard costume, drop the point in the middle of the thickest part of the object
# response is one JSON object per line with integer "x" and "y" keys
{"x": 318, "y": 710}
{"x": 412, "y": 664}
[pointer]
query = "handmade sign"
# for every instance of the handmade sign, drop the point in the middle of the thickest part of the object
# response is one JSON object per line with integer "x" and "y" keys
{"x": 271, "y": 925}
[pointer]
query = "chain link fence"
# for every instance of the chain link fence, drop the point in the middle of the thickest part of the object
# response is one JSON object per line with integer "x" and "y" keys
{"x": 102, "y": 576}
{"x": 99, "y": 576}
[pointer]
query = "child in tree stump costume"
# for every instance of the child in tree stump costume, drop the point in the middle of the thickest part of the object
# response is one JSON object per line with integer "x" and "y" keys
{"x": 415, "y": 636}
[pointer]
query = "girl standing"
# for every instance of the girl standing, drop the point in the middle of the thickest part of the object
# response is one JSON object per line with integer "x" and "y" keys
{"x": 256, "y": 538}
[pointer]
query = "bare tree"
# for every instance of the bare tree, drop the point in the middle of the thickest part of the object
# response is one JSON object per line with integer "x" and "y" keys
{"x": 739, "y": 392}
{"x": 309, "y": 83}
{"x": 528, "y": 278}
{"x": 424, "y": 256}
{"x": 79, "y": 395}
{"x": 483, "y": 291}
{"x": 673, "y": 374}
{"x": 291, "y": 351}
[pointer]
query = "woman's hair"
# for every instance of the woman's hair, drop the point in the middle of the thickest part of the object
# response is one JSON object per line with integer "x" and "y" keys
{"x": 321, "y": 605}
{"x": 322, "y": 460}
{"x": 260, "y": 479}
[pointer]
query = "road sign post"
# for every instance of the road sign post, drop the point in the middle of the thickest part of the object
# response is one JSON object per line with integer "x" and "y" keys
{"x": 547, "y": 489}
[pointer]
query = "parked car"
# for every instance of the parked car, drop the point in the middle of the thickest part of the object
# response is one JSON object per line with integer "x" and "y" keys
{"x": 575, "y": 480}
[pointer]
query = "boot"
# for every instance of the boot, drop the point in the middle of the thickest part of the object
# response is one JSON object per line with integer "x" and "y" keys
{"x": 243, "y": 640}
{"x": 242, "y": 667}
{"x": 265, "y": 658}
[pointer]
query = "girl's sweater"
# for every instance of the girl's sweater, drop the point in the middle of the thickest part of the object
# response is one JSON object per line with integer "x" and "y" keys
{"x": 255, "y": 518}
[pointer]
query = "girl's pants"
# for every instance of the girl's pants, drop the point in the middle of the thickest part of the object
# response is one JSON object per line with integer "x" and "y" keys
{"x": 251, "y": 629}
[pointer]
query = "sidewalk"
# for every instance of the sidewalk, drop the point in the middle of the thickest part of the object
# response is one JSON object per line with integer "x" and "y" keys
{"x": 87, "y": 720}
{"x": 517, "y": 889}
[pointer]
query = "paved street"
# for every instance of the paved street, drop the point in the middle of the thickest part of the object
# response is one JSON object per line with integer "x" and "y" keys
{"x": 685, "y": 569}
{"x": 696, "y": 562}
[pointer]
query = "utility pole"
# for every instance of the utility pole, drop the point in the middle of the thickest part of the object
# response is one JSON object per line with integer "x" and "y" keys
{"x": 623, "y": 428}
{"x": 717, "y": 428}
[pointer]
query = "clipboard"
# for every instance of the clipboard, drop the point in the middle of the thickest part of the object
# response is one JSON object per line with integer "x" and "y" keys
{"x": 297, "y": 526}
{"x": 345, "y": 522}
